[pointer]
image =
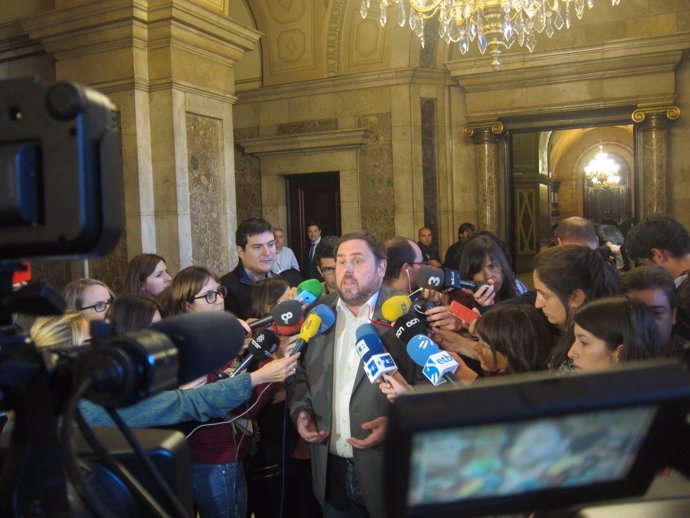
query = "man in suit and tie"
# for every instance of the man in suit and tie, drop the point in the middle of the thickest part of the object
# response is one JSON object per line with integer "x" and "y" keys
{"x": 310, "y": 271}
{"x": 334, "y": 406}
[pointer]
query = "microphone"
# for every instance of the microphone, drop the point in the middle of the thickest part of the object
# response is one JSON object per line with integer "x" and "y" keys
{"x": 371, "y": 351}
{"x": 308, "y": 291}
{"x": 318, "y": 321}
{"x": 442, "y": 279}
{"x": 169, "y": 353}
{"x": 287, "y": 330}
{"x": 287, "y": 312}
{"x": 408, "y": 326}
{"x": 438, "y": 366}
{"x": 395, "y": 307}
{"x": 261, "y": 347}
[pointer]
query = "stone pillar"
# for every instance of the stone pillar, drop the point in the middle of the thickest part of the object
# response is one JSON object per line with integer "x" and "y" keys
{"x": 486, "y": 137}
{"x": 168, "y": 66}
{"x": 652, "y": 125}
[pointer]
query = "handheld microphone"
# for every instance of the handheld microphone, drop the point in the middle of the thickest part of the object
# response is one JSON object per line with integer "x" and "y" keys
{"x": 438, "y": 366}
{"x": 395, "y": 307}
{"x": 371, "y": 351}
{"x": 408, "y": 326}
{"x": 308, "y": 291}
{"x": 287, "y": 313}
{"x": 287, "y": 330}
{"x": 442, "y": 279}
{"x": 261, "y": 347}
{"x": 318, "y": 321}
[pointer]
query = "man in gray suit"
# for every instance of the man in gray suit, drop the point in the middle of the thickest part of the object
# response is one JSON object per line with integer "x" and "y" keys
{"x": 334, "y": 406}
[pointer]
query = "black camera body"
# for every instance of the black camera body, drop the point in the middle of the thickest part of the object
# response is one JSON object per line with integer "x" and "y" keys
{"x": 60, "y": 171}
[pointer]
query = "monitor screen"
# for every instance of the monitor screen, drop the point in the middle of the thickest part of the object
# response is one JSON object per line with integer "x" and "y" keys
{"x": 504, "y": 459}
{"x": 533, "y": 442}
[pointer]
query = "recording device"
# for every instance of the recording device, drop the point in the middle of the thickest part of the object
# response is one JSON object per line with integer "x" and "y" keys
{"x": 463, "y": 312}
{"x": 443, "y": 279}
{"x": 438, "y": 366}
{"x": 60, "y": 171}
{"x": 539, "y": 442}
{"x": 308, "y": 291}
{"x": 60, "y": 199}
{"x": 318, "y": 321}
{"x": 260, "y": 348}
{"x": 371, "y": 351}
{"x": 287, "y": 313}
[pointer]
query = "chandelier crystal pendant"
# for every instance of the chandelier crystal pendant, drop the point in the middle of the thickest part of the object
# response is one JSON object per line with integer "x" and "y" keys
{"x": 602, "y": 171}
{"x": 494, "y": 24}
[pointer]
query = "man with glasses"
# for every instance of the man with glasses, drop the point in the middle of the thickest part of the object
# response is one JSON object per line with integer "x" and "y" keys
{"x": 404, "y": 260}
{"x": 325, "y": 263}
{"x": 256, "y": 249}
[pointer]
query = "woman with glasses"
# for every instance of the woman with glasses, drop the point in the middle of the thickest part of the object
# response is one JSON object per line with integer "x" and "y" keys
{"x": 147, "y": 274}
{"x": 90, "y": 297}
{"x": 218, "y": 447}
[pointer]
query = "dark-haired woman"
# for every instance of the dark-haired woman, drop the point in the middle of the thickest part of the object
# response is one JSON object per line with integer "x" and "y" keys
{"x": 611, "y": 330}
{"x": 565, "y": 278}
{"x": 147, "y": 274}
{"x": 132, "y": 312}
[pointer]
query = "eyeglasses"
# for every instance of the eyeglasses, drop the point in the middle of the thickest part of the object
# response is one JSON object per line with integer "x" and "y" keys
{"x": 328, "y": 269}
{"x": 98, "y": 307}
{"x": 419, "y": 262}
{"x": 212, "y": 296}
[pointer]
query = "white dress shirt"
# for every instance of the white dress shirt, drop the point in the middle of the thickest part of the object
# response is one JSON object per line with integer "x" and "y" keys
{"x": 345, "y": 365}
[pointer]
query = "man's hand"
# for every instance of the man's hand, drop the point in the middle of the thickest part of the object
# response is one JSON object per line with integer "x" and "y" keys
{"x": 378, "y": 428}
{"x": 307, "y": 428}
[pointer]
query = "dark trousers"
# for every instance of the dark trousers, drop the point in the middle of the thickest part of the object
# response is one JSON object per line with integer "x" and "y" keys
{"x": 343, "y": 494}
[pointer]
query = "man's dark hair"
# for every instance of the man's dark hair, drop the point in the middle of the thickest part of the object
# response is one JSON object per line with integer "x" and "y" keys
{"x": 650, "y": 277}
{"x": 326, "y": 248}
{"x": 251, "y": 227}
{"x": 398, "y": 252}
{"x": 576, "y": 230}
{"x": 313, "y": 223}
{"x": 374, "y": 244}
{"x": 657, "y": 231}
{"x": 465, "y": 227}
{"x": 609, "y": 234}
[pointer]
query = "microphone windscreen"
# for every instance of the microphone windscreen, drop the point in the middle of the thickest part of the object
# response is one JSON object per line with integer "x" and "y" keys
{"x": 368, "y": 342}
{"x": 288, "y": 330}
{"x": 420, "y": 347}
{"x": 395, "y": 307}
{"x": 310, "y": 328}
{"x": 327, "y": 317}
{"x": 263, "y": 345}
{"x": 205, "y": 341}
{"x": 313, "y": 286}
{"x": 430, "y": 277}
{"x": 408, "y": 326}
{"x": 287, "y": 313}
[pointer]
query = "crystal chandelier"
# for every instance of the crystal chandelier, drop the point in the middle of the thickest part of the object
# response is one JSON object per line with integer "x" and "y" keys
{"x": 494, "y": 24}
{"x": 602, "y": 171}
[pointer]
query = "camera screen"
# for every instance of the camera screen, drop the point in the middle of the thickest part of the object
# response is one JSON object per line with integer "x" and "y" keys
{"x": 496, "y": 460}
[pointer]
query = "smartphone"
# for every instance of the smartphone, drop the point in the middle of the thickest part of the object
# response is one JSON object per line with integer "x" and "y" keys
{"x": 462, "y": 311}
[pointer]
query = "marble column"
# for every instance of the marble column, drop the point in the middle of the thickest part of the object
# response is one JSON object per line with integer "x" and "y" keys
{"x": 168, "y": 67}
{"x": 652, "y": 125}
{"x": 486, "y": 137}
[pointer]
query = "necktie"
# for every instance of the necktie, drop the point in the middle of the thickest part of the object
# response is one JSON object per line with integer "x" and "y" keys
{"x": 311, "y": 252}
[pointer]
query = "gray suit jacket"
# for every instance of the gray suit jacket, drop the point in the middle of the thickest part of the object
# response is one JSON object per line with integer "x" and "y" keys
{"x": 311, "y": 389}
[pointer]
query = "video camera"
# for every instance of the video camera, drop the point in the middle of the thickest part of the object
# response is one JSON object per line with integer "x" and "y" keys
{"x": 60, "y": 199}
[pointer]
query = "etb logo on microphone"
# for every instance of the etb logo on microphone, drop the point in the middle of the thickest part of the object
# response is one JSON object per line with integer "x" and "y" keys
{"x": 438, "y": 365}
